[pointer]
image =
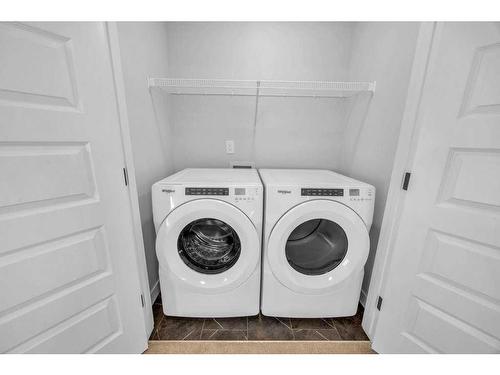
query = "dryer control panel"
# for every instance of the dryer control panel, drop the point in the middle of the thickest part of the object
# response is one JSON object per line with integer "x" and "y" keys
{"x": 322, "y": 192}
{"x": 207, "y": 191}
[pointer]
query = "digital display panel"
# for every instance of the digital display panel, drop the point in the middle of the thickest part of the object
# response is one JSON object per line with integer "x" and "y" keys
{"x": 207, "y": 191}
{"x": 354, "y": 192}
{"x": 239, "y": 191}
{"x": 322, "y": 192}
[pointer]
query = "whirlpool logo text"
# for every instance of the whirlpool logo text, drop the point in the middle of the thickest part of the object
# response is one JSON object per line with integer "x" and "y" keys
{"x": 284, "y": 192}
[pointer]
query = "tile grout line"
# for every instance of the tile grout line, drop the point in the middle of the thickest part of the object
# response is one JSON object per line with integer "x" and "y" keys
{"x": 319, "y": 333}
{"x": 293, "y": 330}
{"x": 185, "y": 337}
{"x": 279, "y": 320}
{"x": 328, "y": 324}
{"x": 220, "y": 325}
{"x": 202, "y": 328}
{"x": 213, "y": 333}
{"x": 337, "y": 330}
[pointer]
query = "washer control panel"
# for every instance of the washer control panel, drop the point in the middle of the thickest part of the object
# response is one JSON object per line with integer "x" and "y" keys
{"x": 207, "y": 191}
{"x": 248, "y": 194}
{"x": 322, "y": 192}
{"x": 358, "y": 195}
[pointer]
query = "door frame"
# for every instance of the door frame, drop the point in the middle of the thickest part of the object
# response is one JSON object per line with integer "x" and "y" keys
{"x": 405, "y": 152}
{"x": 121, "y": 103}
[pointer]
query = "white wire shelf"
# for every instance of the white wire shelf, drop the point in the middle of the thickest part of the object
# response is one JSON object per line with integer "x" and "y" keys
{"x": 319, "y": 89}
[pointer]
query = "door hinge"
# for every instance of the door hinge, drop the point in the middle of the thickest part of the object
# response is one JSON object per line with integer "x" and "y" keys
{"x": 125, "y": 176}
{"x": 379, "y": 303}
{"x": 142, "y": 300}
{"x": 406, "y": 180}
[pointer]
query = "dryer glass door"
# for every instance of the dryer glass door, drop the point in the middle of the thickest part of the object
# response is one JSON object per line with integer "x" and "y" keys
{"x": 209, "y": 246}
{"x": 316, "y": 246}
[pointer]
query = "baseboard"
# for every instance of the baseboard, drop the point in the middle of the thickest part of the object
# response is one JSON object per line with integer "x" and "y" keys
{"x": 362, "y": 298}
{"x": 259, "y": 347}
{"x": 155, "y": 291}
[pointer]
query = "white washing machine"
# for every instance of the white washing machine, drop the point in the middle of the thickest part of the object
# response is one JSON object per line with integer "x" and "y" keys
{"x": 209, "y": 224}
{"x": 316, "y": 243}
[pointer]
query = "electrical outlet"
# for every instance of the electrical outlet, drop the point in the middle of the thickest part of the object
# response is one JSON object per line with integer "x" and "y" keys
{"x": 230, "y": 146}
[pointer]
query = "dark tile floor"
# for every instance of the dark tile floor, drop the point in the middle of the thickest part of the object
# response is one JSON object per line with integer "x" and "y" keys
{"x": 258, "y": 327}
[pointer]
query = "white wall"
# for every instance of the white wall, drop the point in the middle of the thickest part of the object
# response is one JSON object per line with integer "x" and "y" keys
{"x": 143, "y": 47}
{"x": 190, "y": 131}
{"x": 289, "y": 133}
{"x": 383, "y": 52}
{"x": 357, "y": 137}
{"x": 259, "y": 50}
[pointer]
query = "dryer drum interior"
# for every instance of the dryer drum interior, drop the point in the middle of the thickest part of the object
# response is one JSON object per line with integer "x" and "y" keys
{"x": 316, "y": 247}
{"x": 209, "y": 246}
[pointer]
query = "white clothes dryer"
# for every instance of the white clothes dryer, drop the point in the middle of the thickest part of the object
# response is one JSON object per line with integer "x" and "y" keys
{"x": 316, "y": 243}
{"x": 209, "y": 224}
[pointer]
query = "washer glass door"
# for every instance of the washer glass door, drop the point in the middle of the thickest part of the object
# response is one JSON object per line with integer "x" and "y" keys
{"x": 209, "y": 246}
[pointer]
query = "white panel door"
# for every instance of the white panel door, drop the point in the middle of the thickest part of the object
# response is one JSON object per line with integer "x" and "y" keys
{"x": 443, "y": 288}
{"x": 69, "y": 280}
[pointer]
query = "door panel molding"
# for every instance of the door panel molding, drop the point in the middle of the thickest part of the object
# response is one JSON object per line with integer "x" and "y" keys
{"x": 482, "y": 95}
{"x": 34, "y": 85}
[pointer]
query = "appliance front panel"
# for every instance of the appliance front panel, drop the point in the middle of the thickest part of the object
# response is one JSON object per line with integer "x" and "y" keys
{"x": 209, "y": 245}
{"x": 279, "y": 199}
{"x": 166, "y": 198}
{"x": 316, "y": 246}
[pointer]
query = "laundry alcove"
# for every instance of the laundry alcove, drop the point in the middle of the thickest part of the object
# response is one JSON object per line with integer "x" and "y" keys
{"x": 179, "y": 123}
{"x": 278, "y": 123}
{"x": 276, "y": 90}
